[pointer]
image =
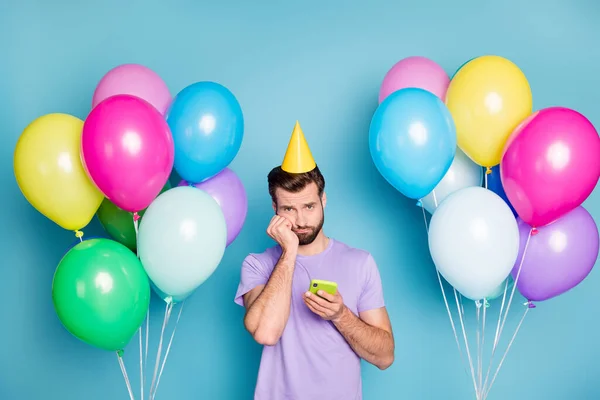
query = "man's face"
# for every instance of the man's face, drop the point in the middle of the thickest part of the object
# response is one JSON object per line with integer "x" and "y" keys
{"x": 304, "y": 209}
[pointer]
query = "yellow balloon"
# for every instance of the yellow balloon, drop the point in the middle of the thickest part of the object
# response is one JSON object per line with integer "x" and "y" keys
{"x": 488, "y": 97}
{"x": 50, "y": 174}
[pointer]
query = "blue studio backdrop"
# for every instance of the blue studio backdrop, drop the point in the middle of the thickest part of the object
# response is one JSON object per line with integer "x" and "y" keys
{"x": 320, "y": 63}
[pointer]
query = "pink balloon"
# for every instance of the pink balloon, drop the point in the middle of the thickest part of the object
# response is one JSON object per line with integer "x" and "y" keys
{"x": 127, "y": 151}
{"x": 418, "y": 72}
{"x": 136, "y": 80}
{"x": 551, "y": 164}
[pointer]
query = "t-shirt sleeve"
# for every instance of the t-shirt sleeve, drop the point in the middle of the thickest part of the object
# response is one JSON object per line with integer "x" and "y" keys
{"x": 253, "y": 274}
{"x": 372, "y": 293}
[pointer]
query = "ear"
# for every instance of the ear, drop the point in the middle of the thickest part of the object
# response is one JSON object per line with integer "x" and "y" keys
{"x": 324, "y": 199}
{"x": 274, "y": 207}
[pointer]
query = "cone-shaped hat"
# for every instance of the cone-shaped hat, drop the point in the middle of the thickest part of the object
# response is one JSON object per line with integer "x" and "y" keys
{"x": 298, "y": 157}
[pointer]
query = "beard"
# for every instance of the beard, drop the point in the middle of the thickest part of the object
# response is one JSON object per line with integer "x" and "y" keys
{"x": 309, "y": 237}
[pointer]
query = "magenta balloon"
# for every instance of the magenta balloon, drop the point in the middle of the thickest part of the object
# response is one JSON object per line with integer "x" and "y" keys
{"x": 558, "y": 257}
{"x": 551, "y": 164}
{"x": 127, "y": 151}
{"x": 228, "y": 191}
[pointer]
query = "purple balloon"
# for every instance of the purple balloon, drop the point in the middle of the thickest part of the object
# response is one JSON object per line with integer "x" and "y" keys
{"x": 227, "y": 189}
{"x": 558, "y": 257}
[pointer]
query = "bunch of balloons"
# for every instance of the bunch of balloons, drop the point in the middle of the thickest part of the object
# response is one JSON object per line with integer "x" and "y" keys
{"x": 504, "y": 184}
{"x": 116, "y": 164}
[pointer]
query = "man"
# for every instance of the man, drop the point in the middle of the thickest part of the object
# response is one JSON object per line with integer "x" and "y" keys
{"x": 312, "y": 343}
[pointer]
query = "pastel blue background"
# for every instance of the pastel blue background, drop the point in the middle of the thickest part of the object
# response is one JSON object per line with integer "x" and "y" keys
{"x": 320, "y": 62}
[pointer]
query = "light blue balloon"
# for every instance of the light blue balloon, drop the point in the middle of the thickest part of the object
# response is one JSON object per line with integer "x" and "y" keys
{"x": 207, "y": 124}
{"x": 181, "y": 241}
{"x": 412, "y": 139}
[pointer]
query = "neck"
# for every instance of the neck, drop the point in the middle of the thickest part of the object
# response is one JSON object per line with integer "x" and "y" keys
{"x": 317, "y": 246}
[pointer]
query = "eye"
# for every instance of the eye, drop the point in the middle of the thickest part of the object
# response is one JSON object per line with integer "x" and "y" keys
{"x": 310, "y": 207}
{"x": 287, "y": 209}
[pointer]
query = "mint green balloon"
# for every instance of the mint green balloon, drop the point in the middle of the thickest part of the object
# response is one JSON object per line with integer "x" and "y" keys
{"x": 101, "y": 293}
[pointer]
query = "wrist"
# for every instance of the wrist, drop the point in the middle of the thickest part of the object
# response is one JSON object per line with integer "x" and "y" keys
{"x": 343, "y": 317}
{"x": 288, "y": 256}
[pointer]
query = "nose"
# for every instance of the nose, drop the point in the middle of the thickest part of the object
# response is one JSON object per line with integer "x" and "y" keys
{"x": 300, "y": 220}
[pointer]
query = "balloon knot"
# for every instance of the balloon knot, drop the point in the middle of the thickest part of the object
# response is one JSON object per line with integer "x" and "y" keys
{"x": 120, "y": 353}
{"x": 478, "y": 304}
{"x": 78, "y": 234}
{"x": 419, "y": 204}
{"x": 488, "y": 170}
{"x": 530, "y": 304}
{"x": 136, "y": 216}
{"x": 534, "y": 231}
{"x": 486, "y": 304}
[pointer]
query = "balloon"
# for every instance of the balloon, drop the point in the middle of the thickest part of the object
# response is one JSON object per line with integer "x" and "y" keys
{"x": 101, "y": 293}
{"x": 499, "y": 291}
{"x": 494, "y": 183}
{"x": 136, "y": 80}
{"x": 127, "y": 150}
{"x": 208, "y": 128}
{"x": 228, "y": 190}
{"x": 82, "y": 239}
{"x": 488, "y": 97}
{"x": 412, "y": 141}
{"x": 119, "y": 223}
{"x": 558, "y": 257}
{"x": 181, "y": 240}
{"x": 49, "y": 172}
{"x": 462, "y": 173}
{"x": 416, "y": 72}
{"x": 551, "y": 164}
{"x": 474, "y": 241}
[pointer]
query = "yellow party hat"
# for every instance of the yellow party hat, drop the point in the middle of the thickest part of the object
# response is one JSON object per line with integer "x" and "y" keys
{"x": 298, "y": 158}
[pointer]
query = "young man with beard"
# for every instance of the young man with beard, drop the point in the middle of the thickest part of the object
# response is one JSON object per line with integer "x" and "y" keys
{"x": 313, "y": 344}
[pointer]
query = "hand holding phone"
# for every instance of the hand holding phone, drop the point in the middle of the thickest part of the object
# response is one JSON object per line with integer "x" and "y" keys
{"x": 326, "y": 286}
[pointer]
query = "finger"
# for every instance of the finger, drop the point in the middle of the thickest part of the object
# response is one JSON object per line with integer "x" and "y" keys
{"x": 329, "y": 297}
{"x": 318, "y": 303}
{"x": 313, "y": 308}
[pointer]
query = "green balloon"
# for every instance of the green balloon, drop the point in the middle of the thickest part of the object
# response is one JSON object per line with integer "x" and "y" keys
{"x": 118, "y": 223}
{"x": 101, "y": 293}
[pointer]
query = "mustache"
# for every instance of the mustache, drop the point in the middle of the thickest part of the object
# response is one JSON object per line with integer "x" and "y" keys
{"x": 301, "y": 228}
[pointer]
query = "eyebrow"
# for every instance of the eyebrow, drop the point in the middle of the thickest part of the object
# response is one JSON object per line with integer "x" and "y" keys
{"x": 312, "y": 203}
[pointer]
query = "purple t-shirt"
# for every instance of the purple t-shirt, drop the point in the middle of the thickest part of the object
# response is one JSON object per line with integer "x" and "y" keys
{"x": 312, "y": 360}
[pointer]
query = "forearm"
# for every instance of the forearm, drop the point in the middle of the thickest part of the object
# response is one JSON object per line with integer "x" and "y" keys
{"x": 268, "y": 315}
{"x": 372, "y": 344}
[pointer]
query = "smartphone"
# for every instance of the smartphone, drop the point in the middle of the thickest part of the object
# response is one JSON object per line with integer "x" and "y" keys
{"x": 326, "y": 286}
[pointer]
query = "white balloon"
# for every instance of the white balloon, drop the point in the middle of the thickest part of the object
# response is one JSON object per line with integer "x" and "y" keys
{"x": 474, "y": 241}
{"x": 463, "y": 173}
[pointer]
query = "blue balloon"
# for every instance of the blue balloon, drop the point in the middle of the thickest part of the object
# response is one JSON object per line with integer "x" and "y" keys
{"x": 412, "y": 139}
{"x": 207, "y": 124}
{"x": 494, "y": 183}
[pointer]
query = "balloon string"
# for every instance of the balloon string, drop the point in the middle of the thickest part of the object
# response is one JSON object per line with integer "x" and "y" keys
{"x": 79, "y": 235}
{"x": 487, "y": 391}
{"x": 146, "y": 349}
{"x": 124, "y": 372}
{"x": 500, "y": 327}
{"x": 141, "y": 365}
{"x": 446, "y": 300}
{"x": 162, "y": 367}
{"x": 435, "y": 202}
{"x": 168, "y": 309}
{"x": 478, "y": 338}
{"x": 462, "y": 324}
{"x": 485, "y": 307}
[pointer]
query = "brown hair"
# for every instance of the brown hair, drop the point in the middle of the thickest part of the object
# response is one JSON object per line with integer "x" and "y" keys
{"x": 294, "y": 183}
